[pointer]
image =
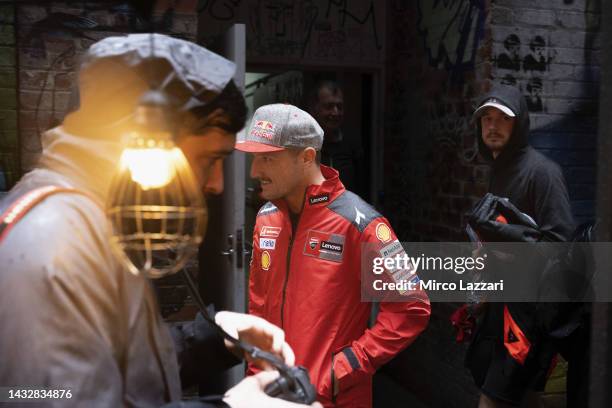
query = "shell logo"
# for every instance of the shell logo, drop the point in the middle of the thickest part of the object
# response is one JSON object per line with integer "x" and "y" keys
{"x": 266, "y": 260}
{"x": 383, "y": 232}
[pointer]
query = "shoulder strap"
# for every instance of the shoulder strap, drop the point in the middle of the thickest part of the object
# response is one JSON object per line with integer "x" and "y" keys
{"x": 26, "y": 202}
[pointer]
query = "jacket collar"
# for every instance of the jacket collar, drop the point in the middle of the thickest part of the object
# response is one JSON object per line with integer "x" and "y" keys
{"x": 319, "y": 195}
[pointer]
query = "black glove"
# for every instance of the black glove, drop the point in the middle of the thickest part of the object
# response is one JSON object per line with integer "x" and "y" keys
{"x": 485, "y": 220}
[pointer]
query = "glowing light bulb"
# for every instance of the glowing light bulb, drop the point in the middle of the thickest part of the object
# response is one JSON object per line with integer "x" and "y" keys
{"x": 156, "y": 210}
{"x": 151, "y": 167}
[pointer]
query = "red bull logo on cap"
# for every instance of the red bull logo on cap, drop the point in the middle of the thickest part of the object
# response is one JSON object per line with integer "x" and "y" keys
{"x": 263, "y": 129}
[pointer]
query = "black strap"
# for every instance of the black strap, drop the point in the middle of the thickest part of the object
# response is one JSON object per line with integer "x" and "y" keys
{"x": 253, "y": 351}
{"x": 352, "y": 358}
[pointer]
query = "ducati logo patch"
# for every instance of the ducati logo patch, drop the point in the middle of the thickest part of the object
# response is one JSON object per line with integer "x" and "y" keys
{"x": 314, "y": 241}
{"x": 266, "y": 260}
{"x": 325, "y": 245}
{"x": 269, "y": 232}
{"x": 383, "y": 232}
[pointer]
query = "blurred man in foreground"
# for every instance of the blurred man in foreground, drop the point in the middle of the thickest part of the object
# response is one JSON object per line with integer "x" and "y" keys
{"x": 72, "y": 316}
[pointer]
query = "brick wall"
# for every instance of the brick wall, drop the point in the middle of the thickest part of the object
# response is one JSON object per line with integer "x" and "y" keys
{"x": 9, "y": 151}
{"x": 550, "y": 49}
{"x": 49, "y": 51}
{"x": 437, "y": 65}
{"x": 48, "y": 60}
{"x": 439, "y": 60}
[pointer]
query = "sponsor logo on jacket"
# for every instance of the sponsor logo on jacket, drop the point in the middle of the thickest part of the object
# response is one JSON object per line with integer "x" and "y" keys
{"x": 269, "y": 232}
{"x": 267, "y": 243}
{"x": 383, "y": 232}
{"x": 323, "y": 198}
{"x": 331, "y": 246}
{"x": 324, "y": 245}
{"x": 266, "y": 260}
{"x": 313, "y": 242}
{"x": 392, "y": 249}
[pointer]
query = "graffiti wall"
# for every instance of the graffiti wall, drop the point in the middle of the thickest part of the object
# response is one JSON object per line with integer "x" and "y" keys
{"x": 437, "y": 67}
{"x": 51, "y": 39}
{"x": 339, "y": 32}
{"x": 9, "y": 143}
{"x": 441, "y": 54}
{"x": 553, "y": 59}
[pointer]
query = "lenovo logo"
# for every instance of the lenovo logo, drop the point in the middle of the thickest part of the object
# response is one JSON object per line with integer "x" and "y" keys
{"x": 331, "y": 246}
{"x": 319, "y": 199}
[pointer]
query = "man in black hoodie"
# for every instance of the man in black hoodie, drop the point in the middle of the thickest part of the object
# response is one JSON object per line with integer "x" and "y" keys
{"x": 508, "y": 360}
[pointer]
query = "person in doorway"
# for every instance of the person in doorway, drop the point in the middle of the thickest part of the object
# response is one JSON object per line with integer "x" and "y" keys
{"x": 340, "y": 151}
{"x": 305, "y": 273}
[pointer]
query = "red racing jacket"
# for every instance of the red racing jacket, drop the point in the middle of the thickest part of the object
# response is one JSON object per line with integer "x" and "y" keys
{"x": 307, "y": 282}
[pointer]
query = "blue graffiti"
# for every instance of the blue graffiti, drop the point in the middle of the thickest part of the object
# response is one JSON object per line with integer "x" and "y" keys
{"x": 451, "y": 32}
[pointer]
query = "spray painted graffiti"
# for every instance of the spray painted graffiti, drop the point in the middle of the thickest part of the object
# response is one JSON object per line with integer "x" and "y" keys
{"x": 536, "y": 58}
{"x": 534, "y": 90}
{"x": 525, "y": 59}
{"x": 300, "y": 28}
{"x": 451, "y": 31}
{"x": 338, "y": 30}
{"x": 344, "y": 13}
{"x": 449, "y": 124}
{"x": 560, "y": 83}
{"x": 281, "y": 27}
{"x": 510, "y": 58}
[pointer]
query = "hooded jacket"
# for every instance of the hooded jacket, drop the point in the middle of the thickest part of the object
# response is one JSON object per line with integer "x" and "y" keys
{"x": 535, "y": 185}
{"x": 72, "y": 316}
{"x": 532, "y": 182}
{"x": 308, "y": 282}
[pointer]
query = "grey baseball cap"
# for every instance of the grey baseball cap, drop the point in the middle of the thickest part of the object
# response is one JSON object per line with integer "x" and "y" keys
{"x": 196, "y": 68}
{"x": 279, "y": 126}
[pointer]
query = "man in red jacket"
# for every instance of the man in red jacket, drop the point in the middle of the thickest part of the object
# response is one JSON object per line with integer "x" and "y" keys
{"x": 305, "y": 271}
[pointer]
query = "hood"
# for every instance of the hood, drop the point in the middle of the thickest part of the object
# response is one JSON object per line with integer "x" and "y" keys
{"x": 115, "y": 73}
{"x": 89, "y": 164}
{"x": 511, "y": 97}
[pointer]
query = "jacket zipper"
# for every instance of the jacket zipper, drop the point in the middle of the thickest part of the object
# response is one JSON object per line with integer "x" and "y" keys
{"x": 333, "y": 383}
{"x": 293, "y": 234}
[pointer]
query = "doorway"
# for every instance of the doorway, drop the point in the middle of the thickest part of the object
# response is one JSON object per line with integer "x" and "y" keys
{"x": 295, "y": 87}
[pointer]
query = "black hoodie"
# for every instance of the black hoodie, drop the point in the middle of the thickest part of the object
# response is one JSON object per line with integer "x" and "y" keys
{"x": 535, "y": 185}
{"x": 531, "y": 181}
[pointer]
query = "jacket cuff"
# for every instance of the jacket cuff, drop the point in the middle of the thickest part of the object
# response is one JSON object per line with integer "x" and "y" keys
{"x": 207, "y": 342}
{"x": 200, "y": 350}
{"x": 346, "y": 368}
